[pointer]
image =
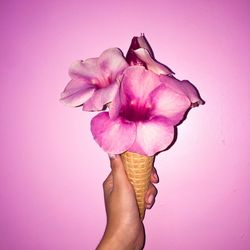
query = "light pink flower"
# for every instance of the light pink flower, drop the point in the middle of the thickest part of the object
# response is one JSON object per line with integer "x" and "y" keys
{"x": 143, "y": 113}
{"x": 140, "y": 53}
{"x": 95, "y": 81}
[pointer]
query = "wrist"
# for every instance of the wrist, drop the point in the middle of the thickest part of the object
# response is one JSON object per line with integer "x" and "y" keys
{"x": 111, "y": 240}
{"x": 117, "y": 239}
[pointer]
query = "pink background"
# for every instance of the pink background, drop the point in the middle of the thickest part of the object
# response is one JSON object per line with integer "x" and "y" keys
{"x": 52, "y": 170}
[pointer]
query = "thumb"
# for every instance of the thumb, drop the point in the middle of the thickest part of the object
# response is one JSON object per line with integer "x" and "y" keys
{"x": 118, "y": 171}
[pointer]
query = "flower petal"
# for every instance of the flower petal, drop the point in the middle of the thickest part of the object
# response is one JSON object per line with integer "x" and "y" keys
{"x": 137, "y": 84}
{"x": 192, "y": 93}
{"x": 115, "y": 106}
{"x": 77, "y": 92}
{"x": 87, "y": 70}
{"x": 152, "y": 136}
{"x": 143, "y": 43}
{"x": 101, "y": 97}
{"x": 114, "y": 136}
{"x": 112, "y": 63}
{"x": 183, "y": 87}
{"x": 94, "y": 80}
{"x": 169, "y": 103}
{"x": 100, "y": 71}
{"x": 152, "y": 64}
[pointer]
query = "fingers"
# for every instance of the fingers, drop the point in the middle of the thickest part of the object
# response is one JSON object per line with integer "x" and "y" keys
{"x": 154, "y": 176}
{"x": 152, "y": 191}
{"x": 150, "y": 196}
{"x": 118, "y": 178}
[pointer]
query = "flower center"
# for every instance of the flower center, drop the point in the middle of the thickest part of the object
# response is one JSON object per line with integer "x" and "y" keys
{"x": 135, "y": 111}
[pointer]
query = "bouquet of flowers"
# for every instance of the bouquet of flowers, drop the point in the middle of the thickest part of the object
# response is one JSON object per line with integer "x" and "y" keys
{"x": 143, "y": 102}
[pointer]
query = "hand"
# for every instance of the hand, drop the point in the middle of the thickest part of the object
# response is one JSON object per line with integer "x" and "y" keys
{"x": 124, "y": 228}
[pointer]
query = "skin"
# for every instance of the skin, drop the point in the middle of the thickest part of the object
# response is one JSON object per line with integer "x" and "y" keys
{"x": 124, "y": 229}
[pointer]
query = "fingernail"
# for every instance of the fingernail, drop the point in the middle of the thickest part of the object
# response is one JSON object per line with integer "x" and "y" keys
{"x": 150, "y": 199}
{"x": 111, "y": 156}
{"x": 155, "y": 176}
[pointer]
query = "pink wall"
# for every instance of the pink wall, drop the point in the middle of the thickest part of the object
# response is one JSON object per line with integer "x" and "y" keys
{"x": 52, "y": 170}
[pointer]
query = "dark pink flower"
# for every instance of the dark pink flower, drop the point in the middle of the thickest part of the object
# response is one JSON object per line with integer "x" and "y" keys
{"x": 143, "y": 113}
{"x": 140, "y": 53}
{"x": 95, "y": 81}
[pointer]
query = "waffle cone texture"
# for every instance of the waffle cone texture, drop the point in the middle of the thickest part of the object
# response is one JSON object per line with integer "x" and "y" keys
{"x": 138, "y": 169}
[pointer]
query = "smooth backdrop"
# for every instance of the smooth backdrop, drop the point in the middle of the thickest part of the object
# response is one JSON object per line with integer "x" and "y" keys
{"x": 51, "y": 170}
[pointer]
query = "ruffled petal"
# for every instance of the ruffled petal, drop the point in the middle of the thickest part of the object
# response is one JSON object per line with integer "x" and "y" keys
{"x": 77, "y": 92}
{"x": 152, "y": 64}
{"x": 87, "y": 70}
{"x": 152, "y": 136}
{"x": 100, "y": 71}
{"x": 169, "y": 103}
{"x": 184, "y": 88}
{"x": 192, "y": 93}
{"x": 113, "y": 136}
{"x": 115, "y": 106}
{"x": 143, "y": 43}
{"x": 101, "y": 97}
{"x": 112, "y": 63}
{"x": 94, "y": 81}
{"x": 136, "y": 85}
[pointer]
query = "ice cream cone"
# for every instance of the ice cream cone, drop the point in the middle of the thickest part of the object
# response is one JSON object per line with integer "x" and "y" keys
{"x": 138, "y": 168}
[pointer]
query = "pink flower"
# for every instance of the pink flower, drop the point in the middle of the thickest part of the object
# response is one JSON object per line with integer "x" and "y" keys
{"x": 143, "y": 113}
{"x": 95, "y": 81}
{"x": 140, "y": 53}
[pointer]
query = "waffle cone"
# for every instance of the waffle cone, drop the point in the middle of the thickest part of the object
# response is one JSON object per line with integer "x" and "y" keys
{"x": 138, "y": 168}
